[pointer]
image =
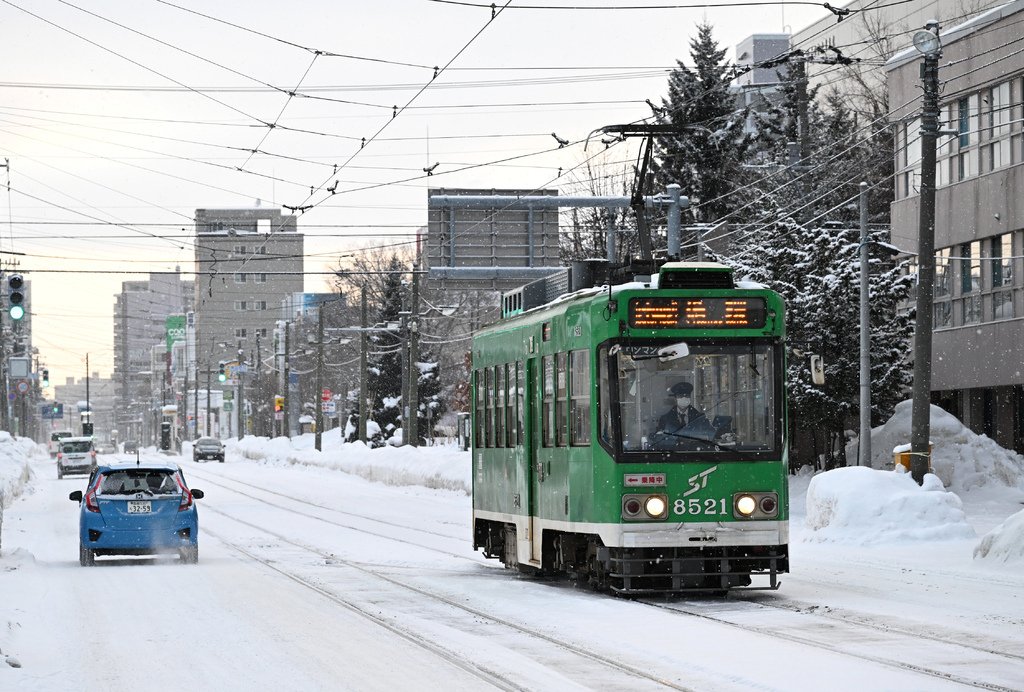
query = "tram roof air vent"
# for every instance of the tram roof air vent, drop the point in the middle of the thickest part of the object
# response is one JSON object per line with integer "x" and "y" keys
{"x": 695, "y": 275}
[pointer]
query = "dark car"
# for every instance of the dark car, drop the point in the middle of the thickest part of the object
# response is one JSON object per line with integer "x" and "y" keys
{"x": 131, "y": 446}
{"x": 208, "y": 448}
{"x": 137, "y": 509}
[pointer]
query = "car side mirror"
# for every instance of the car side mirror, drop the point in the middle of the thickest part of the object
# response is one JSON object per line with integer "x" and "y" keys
{"x": 76, "y": 496}
{"x": 197, "y": 493}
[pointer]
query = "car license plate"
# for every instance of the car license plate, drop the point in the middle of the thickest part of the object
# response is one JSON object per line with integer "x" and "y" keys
{"x": 139, "y": 507}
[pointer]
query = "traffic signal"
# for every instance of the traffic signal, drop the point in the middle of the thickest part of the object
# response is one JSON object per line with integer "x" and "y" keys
{"x": 46, "y": 377}
{"x": 16, "y": 296}
{"x": 278, "y": 403}
{"x": 221, "y": 375}
{"x": 57, "y": 409}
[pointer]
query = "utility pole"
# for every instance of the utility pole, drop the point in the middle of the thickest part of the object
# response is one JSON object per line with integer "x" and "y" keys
{"x": 362, "y": 368}
{"x": 241, "y": 392}
{"x": 286, "y": 428}
{"x": 927, "y": 42}
{"x": 259, "y": 389}
{"x": 864, "y": 447}
{"x": 318, "y": 397}
{"x": 414, "y": 356}
{"x": 209, "y": 412}
{"x": 804, "y": 132}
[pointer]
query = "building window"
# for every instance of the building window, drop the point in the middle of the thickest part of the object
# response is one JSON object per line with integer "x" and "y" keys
{"x": 239, "y": 278}
{"x": 239, "y": 249}
{"x": 999, "y": 126}
{"x": 261, "y": 332}
{"x": 240, "y": 305}
{"x": 970, "y": 281}
{"x": 967, "y": 127}
{"x": 260, "y": 278}
{"x": 239, "y": 333}
{"x": 942, "y": 310}
{"x": 1002, "y": 276}
{"x": 944, "y": 148}
{"x": 910, "y": 176}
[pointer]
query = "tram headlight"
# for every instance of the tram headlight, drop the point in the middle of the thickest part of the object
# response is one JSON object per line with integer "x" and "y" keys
{"x": 655, "y": 506}
{"x": 644, "y": 507}
{"x": 755, "y": 505}
{"x": 745, "y": 505}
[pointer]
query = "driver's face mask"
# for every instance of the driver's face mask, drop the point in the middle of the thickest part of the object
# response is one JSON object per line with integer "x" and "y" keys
{"x": 683, "y": 401}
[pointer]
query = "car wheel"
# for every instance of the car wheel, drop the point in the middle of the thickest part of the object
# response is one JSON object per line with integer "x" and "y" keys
{"x": 221, "y": 460}
{"x": 86, "y": 557}
{"x": 190, "y": 555}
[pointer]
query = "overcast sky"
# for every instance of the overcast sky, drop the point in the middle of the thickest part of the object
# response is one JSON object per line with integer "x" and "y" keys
{"x": 120, "y": 118}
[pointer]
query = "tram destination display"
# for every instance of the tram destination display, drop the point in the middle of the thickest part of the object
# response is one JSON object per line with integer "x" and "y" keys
{"x": 697, "y": 313}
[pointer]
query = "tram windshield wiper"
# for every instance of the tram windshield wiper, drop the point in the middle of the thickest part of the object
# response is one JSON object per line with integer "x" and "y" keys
{"x": 718, "y": 447}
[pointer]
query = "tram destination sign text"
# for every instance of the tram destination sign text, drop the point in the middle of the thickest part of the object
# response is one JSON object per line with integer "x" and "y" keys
{"x": 697, "y": 313}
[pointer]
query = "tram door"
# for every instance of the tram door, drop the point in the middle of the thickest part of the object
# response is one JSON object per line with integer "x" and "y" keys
{"x": 540, "y": 379}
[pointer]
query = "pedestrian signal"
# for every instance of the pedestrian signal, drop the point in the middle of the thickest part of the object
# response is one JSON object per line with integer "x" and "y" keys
{"x": 278, "y": 403}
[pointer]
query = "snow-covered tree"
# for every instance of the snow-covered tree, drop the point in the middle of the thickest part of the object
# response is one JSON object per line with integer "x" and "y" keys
{"x": 705, "y": 155}
{"x": 817, "y": 272}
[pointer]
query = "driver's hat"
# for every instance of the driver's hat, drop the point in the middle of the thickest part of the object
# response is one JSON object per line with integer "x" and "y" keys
{"x": 681, "y": 389}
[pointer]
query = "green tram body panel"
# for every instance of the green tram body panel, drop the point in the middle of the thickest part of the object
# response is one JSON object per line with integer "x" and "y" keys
{"x": 578, "y": 487}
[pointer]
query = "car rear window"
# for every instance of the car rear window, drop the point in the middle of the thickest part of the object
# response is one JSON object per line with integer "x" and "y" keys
{"x": 76, "y": 446}
{"x": 208, "y": 441}
{"x": 59, "y": 435}
{"x": 133, "y": 481}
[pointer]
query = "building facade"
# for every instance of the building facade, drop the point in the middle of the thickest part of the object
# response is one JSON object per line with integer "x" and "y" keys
{"x": 247, "y": 262}
{"x": 140, "y": 314}
{"x": 77, "y": 395}
{"x": 978, "y": 339}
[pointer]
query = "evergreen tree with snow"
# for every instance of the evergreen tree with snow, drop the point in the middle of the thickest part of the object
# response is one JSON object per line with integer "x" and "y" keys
{"x": 817, "y": 272}
{"x": 705, "y": 154}
{"x": 387, "y": 350}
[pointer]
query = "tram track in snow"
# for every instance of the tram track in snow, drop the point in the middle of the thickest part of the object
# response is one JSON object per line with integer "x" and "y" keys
{"x": 845, "y": 637}
{"x": 476, "y": 615}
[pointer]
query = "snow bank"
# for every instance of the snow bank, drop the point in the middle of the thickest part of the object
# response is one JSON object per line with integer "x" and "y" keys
{"x": 865, "y": 506}
{"x": 14, "y": 469}
{"x": 1005, "y": 543}
{"x": 446, "y": 467}
{"x": 961, "y": 459}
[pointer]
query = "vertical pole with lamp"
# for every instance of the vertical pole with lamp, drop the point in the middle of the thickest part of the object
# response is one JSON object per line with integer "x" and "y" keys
{"x": 927, "y": 42}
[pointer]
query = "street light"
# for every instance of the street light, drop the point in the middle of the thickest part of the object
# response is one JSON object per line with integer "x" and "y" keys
{"x": 927, "y": 42}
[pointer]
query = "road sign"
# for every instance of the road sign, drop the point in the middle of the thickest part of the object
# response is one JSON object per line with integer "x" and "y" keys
{"x": 23, "y": 387}
{"x": 228, "y": 406}
{"x": 279, "y": 415}
{"x": 329, "y": 407}
{"x": 325, "y": 395}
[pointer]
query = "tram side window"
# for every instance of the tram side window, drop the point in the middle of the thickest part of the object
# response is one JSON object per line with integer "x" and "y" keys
{"x": 520, "y": 400}
{"x": 510, "y": 405}
{"x": 481, "y": 437}
{"x": 548, "y": 407}
{"x": 489, "y": 404}
{"x": 499, "y": 406}
{"x": 579, "y": 400}
{"x": 562, "y": 398}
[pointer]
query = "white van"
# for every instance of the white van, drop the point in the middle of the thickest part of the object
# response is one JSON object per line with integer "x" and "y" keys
{"x": 55, "y": 438}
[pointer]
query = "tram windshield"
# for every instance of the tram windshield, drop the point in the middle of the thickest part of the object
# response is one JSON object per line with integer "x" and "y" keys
{"x": 693, "y": 396}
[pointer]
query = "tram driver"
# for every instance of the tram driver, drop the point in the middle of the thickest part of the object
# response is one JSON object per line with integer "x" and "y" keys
{"x": 684, "y": 420}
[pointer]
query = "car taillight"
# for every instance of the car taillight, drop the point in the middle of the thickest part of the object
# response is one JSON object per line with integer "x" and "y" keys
{"x": 186, "y": 496}
{"x": 90, "y": 497}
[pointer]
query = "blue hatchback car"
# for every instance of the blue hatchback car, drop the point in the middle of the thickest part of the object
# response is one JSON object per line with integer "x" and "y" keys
{"x": 137, "y": 509}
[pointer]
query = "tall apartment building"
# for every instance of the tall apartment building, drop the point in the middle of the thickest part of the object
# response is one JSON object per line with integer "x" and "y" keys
{"x": 247, "y": 261}
{"x": 978, "y": 339}
{"x": 140, "y": 313}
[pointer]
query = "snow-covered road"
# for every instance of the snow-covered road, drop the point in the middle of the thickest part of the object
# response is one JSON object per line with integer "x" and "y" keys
{"x": 310, "y": 578}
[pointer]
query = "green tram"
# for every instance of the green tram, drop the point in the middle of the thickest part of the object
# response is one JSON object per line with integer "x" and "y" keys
{"x": 582, "y": 462}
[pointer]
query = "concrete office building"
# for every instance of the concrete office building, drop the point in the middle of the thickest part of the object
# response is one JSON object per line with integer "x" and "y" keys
{"x": 978, "y": 342}
{"x": 247, "y": 261}
{"x": 140, "y": 314}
